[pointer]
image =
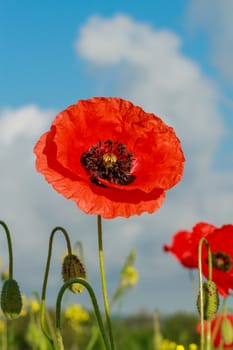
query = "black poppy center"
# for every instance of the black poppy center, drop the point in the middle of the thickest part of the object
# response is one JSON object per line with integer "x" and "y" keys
{"x": 221, "y": 261}
{"x": 108, "y": 160}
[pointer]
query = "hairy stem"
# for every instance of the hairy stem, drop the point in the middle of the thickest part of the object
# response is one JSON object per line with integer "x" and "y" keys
{"x": 94, "y": 303}
{"x": 202, "y": 334}
{"x": 43, "y": 324}
{"x": 103, "y": 281}
{"x": 8, "y": 236}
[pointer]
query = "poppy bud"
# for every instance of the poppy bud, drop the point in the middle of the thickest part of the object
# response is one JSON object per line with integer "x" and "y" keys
{"x": 11, "y": 300}
{"x": 227, "y": 331}
{"x": 73, "y": 268}
{"x": 210, "y": 300}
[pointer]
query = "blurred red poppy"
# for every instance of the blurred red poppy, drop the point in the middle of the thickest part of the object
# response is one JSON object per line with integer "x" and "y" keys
{"x": 185, "y": 248}
{"x": 184, "y": 244}
{"x": 221, "y": 245}
{"x": 221, "y": 330}
{"x": 110, "y": 157}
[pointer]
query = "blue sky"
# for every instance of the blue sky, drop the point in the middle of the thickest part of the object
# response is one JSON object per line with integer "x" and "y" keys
{"x": 37, "y": 45}
{"x": 38, "y": 59}
{"x": 171, "y": 57}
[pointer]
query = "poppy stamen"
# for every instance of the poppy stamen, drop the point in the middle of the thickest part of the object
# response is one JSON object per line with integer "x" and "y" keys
{"x": 110, "y": 161}
{"x": 222, "y": 261}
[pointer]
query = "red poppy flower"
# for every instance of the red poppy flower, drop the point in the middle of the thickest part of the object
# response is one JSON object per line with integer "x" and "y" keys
{"x": 184, "y": 244}
{"x": 110, "y": 157}
{"x": 185, "y": 248}
{"x": 220, "y": 242}
{"x": 221, "y": 330}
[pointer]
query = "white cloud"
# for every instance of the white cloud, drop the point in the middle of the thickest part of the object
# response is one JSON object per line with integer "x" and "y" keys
{"x": 159, "y": 77}
{"x": 110, "y": 40}
{"x": 215, "y": 17}
{"x": 23, "y": 122}
{"x": 24, "y": 200}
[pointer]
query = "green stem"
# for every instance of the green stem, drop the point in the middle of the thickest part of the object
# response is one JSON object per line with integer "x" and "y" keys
{"x": 103, "y": 281}
{"x": 8, "y": 236}
{"x": 43, "y": 324}
{"x": 208, "y": 335}
{"x": 202, "y": 333}
{"x": 94, "y": 337}
{"x": 95, "y": 305}
{"x": 217, "y": 324}
{"x": 60, "y": 345}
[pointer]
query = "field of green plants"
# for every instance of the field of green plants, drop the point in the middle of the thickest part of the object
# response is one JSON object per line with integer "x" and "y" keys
{"x": 137, "y": 332}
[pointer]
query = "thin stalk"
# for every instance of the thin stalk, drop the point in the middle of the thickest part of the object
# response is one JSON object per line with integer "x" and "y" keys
{"x": 95, "y": 306}
{"x": 59, "y": 340}
{"x": 103, "y": 281}
{"x": 218, "y": 322}
{"x": 202, "y": 333}
{"x": 93, "y": 339}
{"x": 43, "y": 324}
{"x": 10, "y": 252}
{"x": 208, "y": 335}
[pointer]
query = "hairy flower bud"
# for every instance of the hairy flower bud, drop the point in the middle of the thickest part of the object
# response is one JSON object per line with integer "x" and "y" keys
{"x": 11, "y": 300}
{"x": 210, "y": 300}
{"x": 73, "y": 268}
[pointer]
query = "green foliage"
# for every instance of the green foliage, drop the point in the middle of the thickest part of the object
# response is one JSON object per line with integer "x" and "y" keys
{"x": 131, "y": 333}
{"x": 133, "y": 339}
{"x": 180, "y": 328}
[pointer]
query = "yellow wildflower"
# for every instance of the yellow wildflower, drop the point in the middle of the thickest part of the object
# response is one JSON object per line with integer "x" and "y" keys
{"x": 167, "y": 344}
{"x": 34, "y": 305}
{"x": 192, "y": 346}
{"x": 24, "y": 310}
{"x": 2, "y": 326}
{"x": 180, "y": 347}
{"x": 4, "y": 274}
{"x": 172, "y": 345}
{"x": 129, "y": 276}
{"x": 76, "y": 312}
